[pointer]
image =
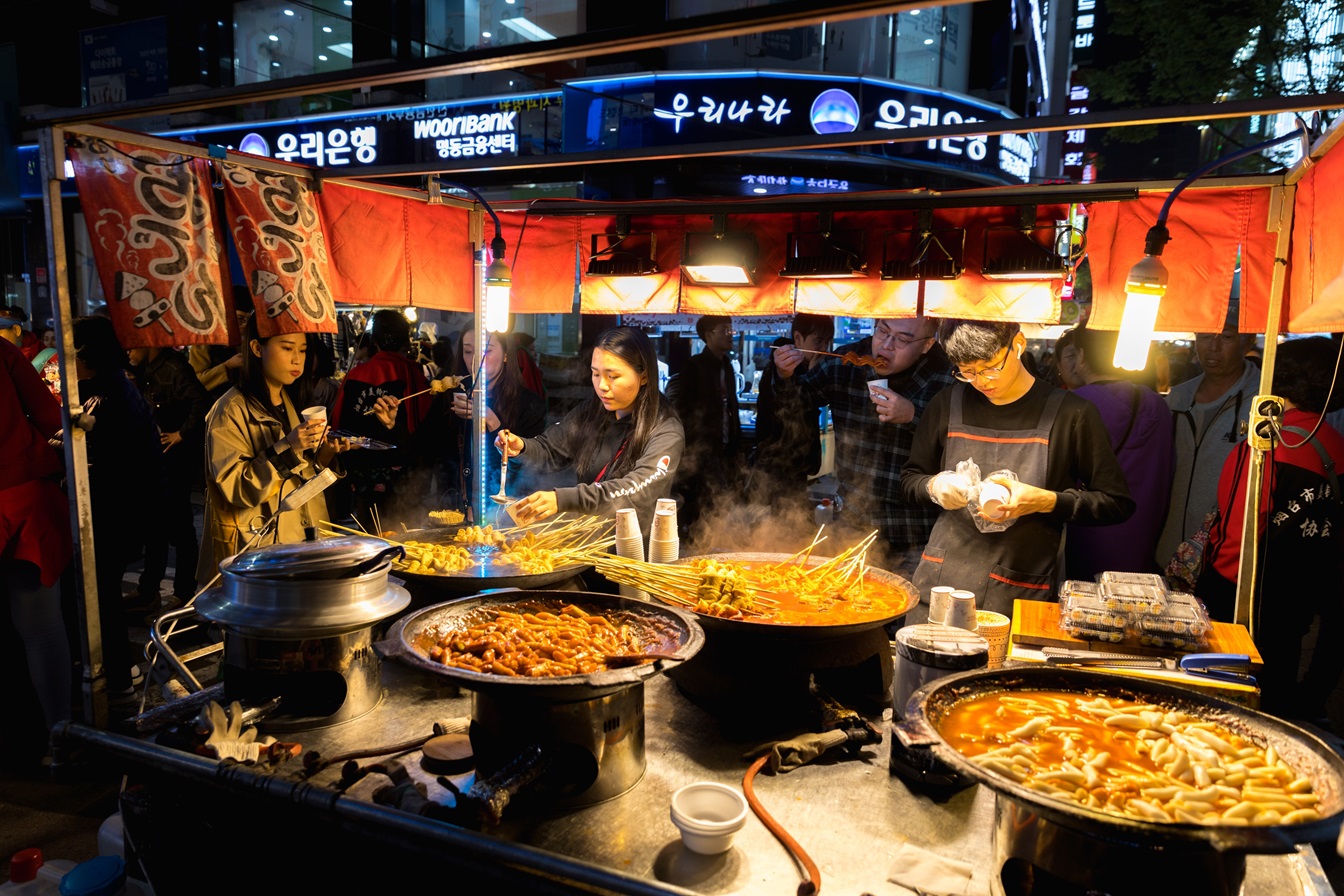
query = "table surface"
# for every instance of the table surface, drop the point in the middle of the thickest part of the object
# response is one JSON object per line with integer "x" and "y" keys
{"x": 850, "y": 815}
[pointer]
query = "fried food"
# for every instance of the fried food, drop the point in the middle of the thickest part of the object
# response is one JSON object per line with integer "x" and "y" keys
{"x": 859, "y": 360}
{"x": 426, "y": 558}
{"x": 445, "y": 384}
{"x": 447, "y": 517}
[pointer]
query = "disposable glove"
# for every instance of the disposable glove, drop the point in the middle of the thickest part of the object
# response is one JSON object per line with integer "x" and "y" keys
{"x": 949, "y": 490}
{"x": 227, "y": 738}
{"x": 787, "y": 755}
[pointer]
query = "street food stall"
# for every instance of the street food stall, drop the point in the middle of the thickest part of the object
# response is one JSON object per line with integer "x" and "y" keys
{"x": 344, "y": 666}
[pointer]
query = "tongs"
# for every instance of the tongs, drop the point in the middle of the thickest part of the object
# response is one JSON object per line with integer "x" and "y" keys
{"x": 1232, "y": 667}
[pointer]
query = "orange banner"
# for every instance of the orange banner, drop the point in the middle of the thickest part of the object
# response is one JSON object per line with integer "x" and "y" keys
{"x": 156, "y": 242}
{"x": 276, "y": 226}
{"x": 1316, "y": 276}
{"x": 385, "y": 249}
{"x": 1207, "y": 227}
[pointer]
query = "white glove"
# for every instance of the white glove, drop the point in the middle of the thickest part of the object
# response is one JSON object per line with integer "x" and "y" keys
{"x": 949, "y": 490}
{"x": 227, "y": 738}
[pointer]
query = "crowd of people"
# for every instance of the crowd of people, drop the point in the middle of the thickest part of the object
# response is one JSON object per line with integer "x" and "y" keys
{"x": 1103, "y": 471}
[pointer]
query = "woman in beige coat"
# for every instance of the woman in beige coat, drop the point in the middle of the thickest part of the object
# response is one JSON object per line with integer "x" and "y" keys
{"x": 257, "y": 450}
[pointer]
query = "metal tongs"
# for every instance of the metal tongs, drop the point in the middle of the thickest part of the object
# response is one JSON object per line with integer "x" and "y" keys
{"x": 1232, "y": 667}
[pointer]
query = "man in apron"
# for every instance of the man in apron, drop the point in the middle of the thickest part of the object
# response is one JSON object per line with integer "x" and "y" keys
{"x": 1004, "y": 419}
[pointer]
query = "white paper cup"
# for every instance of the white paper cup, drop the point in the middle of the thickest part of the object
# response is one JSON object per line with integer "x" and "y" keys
{"x": 961, "y": 612}
{"x": 708, "y": 814}
{"x": 630, "y": 547}
{"x": 940, "y": 601}
{"x": 664, "y": 550}
{"x": 994, "y": 627}
{"x": 664, "y": 525}
{"x": 668, "y": 504}
{"x": 315, "y": 414}
{"x": 879, "y": 384}
{"x": 992, "y": 498}
{"x": 627, "y": 525}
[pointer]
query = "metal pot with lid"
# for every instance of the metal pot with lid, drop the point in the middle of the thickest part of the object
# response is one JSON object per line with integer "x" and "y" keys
{"x": 298, "y": 623}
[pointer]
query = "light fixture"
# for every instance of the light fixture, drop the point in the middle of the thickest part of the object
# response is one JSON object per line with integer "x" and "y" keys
{"x": 626, "y": 253}
{"x": 719, "y": 257}
{"x": 527, "y": 28}
{"x": 410, "y": 313}
{"x": 921, "y": 254}
{"x": 1147, "y": 281}
{"x": 1011, "y": 253}
{"x": 1144, "y": 288}
{"x": 824, "y": 254}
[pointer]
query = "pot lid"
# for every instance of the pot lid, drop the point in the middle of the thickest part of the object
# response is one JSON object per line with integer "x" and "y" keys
{"x": 340, "y": 556}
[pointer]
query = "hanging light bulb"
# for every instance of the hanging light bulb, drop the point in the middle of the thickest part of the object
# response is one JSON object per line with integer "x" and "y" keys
{"x": 410, "y": 313}
{"x": 1144, "y": 288}
{"x": 498, "y": 283}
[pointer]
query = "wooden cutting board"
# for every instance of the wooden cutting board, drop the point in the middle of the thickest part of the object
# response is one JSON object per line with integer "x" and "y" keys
{"x": 1036, "y": 624}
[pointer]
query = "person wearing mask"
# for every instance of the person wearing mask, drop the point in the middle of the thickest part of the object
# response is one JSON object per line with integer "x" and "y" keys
{"x": 257, "y": 450}
{"x": 376, "y": 478}
{"x": 1301, "y": 546}
{"x": 874, "y": 429}
{"x": 1139, "y": 424}
{"x": 1003, "y": 418}
{"x": 788, "y": 435}
{"x": 704, "y": 394}
{"x": 35, "y": 549}
{"x": 509, "y": 405}
{"x": 127, "y": 482}
{"x": 623, "y": 445}
{"x": 1209, "y": 412}
{"x": 179, "y": 403}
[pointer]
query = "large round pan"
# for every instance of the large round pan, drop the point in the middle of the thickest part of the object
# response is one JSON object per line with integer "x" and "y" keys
{"x": 822, "y": 628}
{"x": 669, "y": 631}
{"x": 1305, "y": 752}
{"x": 481, "y": 577}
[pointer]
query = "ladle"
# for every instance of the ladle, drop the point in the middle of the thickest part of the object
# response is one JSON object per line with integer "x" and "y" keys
{"x": 502, "y": 498}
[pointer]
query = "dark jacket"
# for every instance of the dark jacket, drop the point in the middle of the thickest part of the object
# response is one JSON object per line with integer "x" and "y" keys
{"x": 705, "y": 396}
{"x": 179, "y": 403}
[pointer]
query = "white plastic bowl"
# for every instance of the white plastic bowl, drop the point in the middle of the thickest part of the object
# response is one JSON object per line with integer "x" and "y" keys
{"x": 708, "y": 814}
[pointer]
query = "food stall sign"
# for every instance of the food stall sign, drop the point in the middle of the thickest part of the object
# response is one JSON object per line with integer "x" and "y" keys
{"x": 121, "y": 63}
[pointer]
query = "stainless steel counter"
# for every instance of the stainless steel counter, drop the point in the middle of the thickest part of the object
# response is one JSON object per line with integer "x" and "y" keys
{"x": 850, "y": 815}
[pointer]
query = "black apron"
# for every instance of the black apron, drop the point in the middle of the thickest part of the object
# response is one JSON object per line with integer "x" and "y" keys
{"x": 999, "y": 567}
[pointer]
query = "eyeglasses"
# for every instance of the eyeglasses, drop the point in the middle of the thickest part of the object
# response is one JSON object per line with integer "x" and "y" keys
{"x": 989, "y": 373}
{"x": 904, "y": 340}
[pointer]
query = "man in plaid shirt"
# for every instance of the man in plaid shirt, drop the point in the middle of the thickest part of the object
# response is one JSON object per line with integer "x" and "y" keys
{"x": 874, "y": 427}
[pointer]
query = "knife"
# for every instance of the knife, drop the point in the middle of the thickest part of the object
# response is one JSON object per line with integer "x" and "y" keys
{"x": 1232, "y": 667}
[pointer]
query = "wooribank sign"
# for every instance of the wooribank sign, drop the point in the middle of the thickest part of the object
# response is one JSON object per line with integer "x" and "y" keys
{"x": 719, "y": 107}
{"x": 503, "y": 127}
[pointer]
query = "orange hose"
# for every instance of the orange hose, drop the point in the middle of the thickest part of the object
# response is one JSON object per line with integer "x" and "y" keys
{"x": 811, "y": 884}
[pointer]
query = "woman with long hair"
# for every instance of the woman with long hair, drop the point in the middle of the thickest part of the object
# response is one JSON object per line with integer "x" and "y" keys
{"x": 623, "y": 445}
{"x": 509, "y": 405}
{"x": 257, "y": 450}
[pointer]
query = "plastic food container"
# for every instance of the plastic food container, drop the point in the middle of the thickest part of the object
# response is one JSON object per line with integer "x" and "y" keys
{"x": 1133, "y": 592}
{"x": 708, "y": 814}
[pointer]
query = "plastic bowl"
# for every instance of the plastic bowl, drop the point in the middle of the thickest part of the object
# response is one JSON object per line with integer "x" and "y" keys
{"x": 708, "y": 814}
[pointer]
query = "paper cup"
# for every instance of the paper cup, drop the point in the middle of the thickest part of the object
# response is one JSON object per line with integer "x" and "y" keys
{"x": 940, "y": 601}
{"x": 992, "y": 498}
{"x": 994, "y": 628}
{"x": 668, "y": 504}
{"x": 315, "y": 414}
{"x": 627, "y": 525}
{"x": 961, "y": 612}
{"x": 879, "y": 384}
{"x": 664, "y": 550}
{"x": 664, "y": 526}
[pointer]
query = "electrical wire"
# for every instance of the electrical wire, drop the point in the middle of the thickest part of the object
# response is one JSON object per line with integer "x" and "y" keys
{"x": 811, "y": 884}
{"x": 1274, "y": 421}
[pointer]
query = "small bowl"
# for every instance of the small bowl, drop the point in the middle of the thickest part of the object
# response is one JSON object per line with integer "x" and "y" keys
{"x": 708, "y": 814}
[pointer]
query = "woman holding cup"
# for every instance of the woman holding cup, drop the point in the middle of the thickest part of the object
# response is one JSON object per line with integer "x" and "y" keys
{"x": 258, "y": 450}
{"x": 623, "y": 445}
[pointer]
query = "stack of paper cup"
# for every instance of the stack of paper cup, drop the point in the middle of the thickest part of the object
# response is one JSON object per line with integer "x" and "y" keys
{"x": 630, "y": 543}
{"x": 993, "y": 627}
{"x": 664, "y": 546}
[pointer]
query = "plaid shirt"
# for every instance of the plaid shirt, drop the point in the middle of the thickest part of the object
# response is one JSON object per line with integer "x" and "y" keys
{"x": 869, "y": 454}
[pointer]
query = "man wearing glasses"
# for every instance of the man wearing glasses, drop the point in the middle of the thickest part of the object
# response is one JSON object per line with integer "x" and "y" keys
{"x": 874, "y": 427}
{"x": 1004, "y": 418}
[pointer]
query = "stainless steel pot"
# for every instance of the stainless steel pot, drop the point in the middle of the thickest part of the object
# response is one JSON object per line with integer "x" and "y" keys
{"x": 298, "y": 624}
{"x": 1094, "y": 850}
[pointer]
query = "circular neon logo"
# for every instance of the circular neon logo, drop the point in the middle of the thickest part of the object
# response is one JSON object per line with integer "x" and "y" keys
{"x": 255, "y": 144}
{"x": 834, "y": 111}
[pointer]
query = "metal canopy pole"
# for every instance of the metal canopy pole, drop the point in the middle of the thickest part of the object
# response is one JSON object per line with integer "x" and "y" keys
{"x": 94, "y": 682}
{"x": 480, "y": 490}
